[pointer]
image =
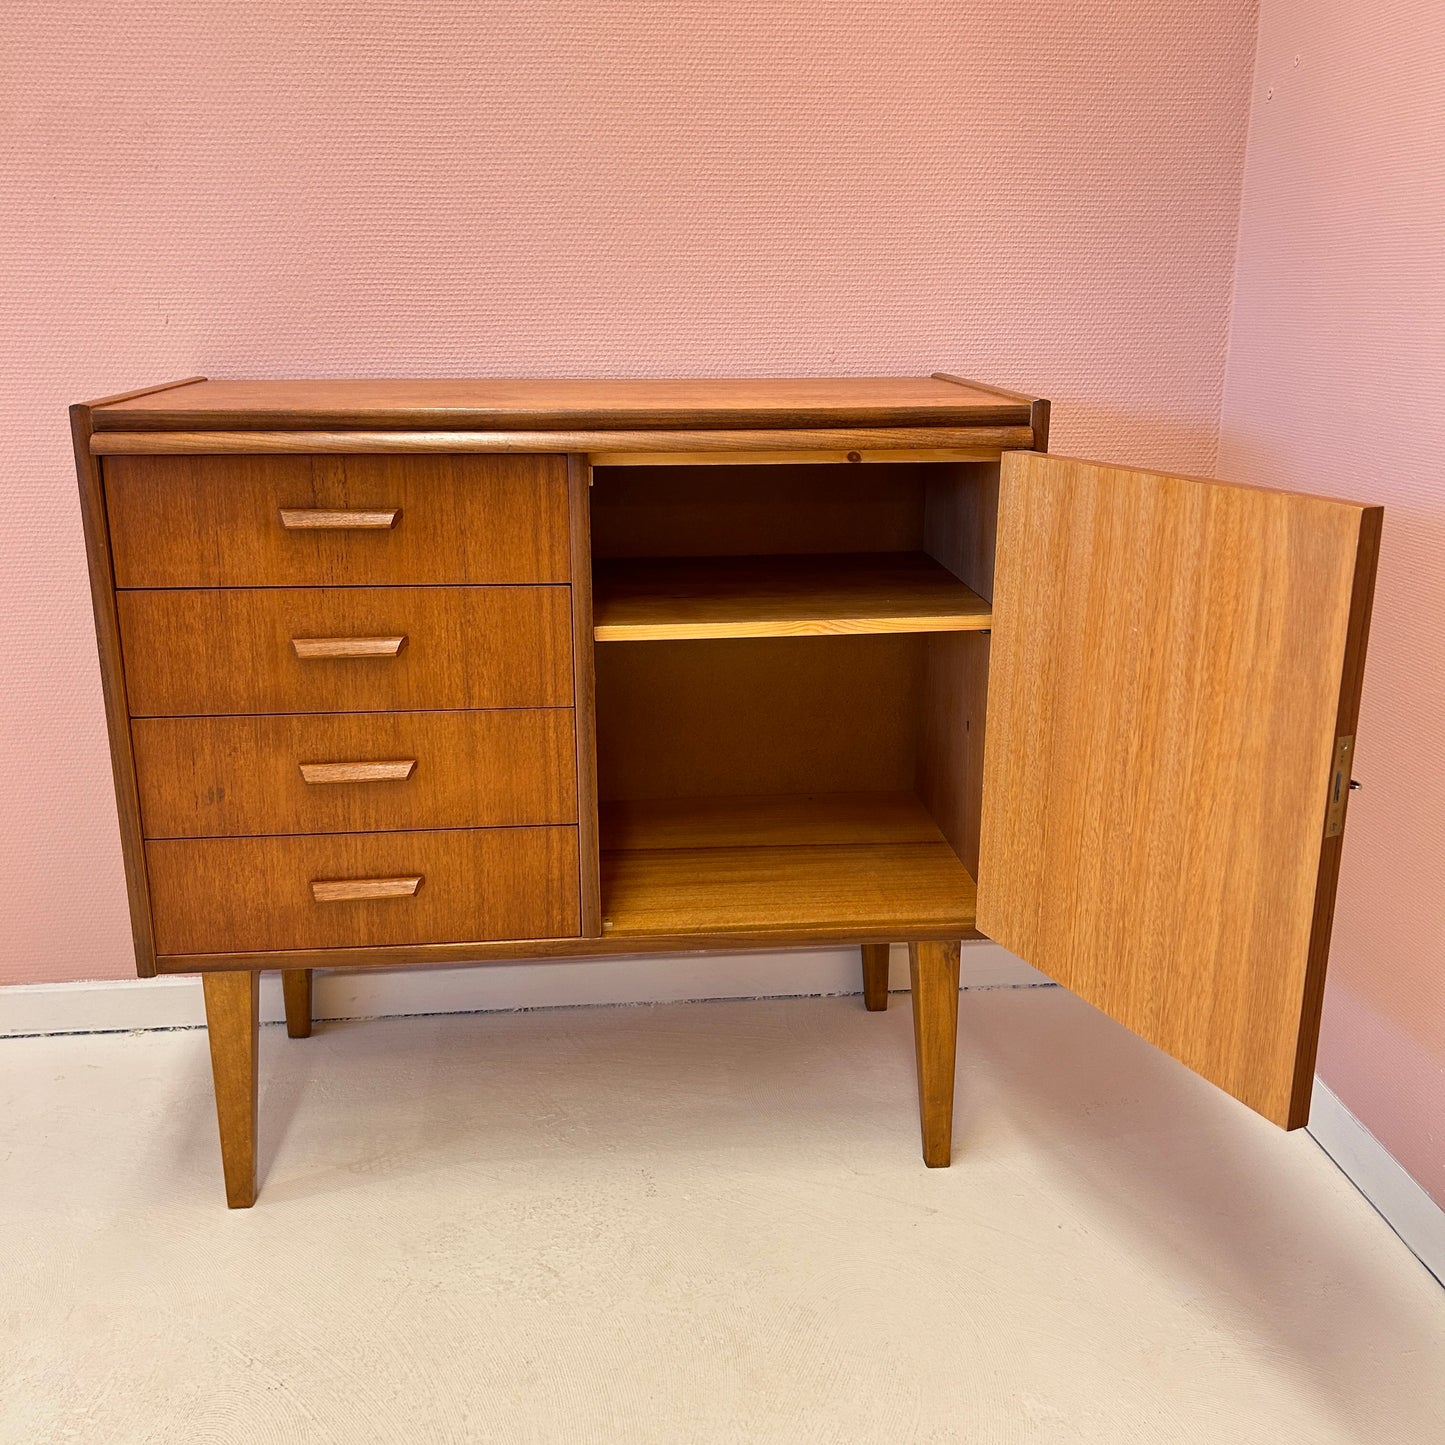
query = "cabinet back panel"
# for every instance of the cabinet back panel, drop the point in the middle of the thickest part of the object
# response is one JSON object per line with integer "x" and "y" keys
{"x": 738, "y": 511}
{"x": 758, "y": 716}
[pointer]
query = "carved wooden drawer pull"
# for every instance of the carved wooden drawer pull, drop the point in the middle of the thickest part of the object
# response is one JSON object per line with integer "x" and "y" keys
{"x": 350, "y": 890}
{"x": 348, "y": 646}
{"x": 317, "y": 519}
{"x": 395, "y": 772}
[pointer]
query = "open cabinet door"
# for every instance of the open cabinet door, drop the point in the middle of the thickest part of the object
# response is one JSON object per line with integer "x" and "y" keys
{"x": 1174, "y": 681}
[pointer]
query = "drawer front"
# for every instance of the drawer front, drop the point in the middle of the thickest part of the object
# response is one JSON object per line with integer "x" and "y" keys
{"x": 244, "y": 895}
{"x": 283, "y": 521}
{"x": 215, "y": 777}
{"x": 272, "y": 650}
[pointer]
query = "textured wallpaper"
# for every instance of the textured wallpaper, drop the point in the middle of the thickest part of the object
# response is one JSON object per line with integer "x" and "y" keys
{"x": 1337, "y": 385}
{"x": 1039, "y": 193}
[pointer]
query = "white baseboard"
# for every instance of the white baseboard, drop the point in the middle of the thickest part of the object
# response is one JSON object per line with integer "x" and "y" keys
{"x": 1403, "y": 1205}
{"x": 120, "y": 1006}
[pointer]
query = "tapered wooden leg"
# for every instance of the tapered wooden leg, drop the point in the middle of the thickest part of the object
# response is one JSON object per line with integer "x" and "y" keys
{"x": 233, "y": 1018}
{"x": 875, "y": 977}
{"x": 934, "y": 971}
{"x": 296, "y": 989}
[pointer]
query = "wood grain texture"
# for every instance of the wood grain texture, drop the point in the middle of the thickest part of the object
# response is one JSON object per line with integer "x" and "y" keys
{"x": 296, "y": 992}
{"x": 756, "y": 510}
{"x": 933, "y": 970}
{"x": 233, "y": 1020}
{"x": 1171, "y": 659}
{"x": 875, "y": 976}
{"x": 214, "y": 777}
{"x": 214, "y": 895}
{"x": 569, "y": 404}
{"x": 229, "y": 651}
{"x": 113, "y": 687}
{"x": 217, "y": 521}
{"x": 584, "y": 687}
{"x": 757, "y": 716}
{"x": 794, "y": 892}
{"x": 785, "y": 821}
{"x": 647, "y": 599}
{"x": 967, "y": 441}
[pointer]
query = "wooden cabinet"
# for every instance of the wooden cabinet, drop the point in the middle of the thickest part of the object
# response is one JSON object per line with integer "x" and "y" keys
{"x": 402, "y": 673}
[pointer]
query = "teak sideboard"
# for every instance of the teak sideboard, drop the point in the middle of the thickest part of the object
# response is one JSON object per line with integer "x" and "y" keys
{"x": 418, "y": 672}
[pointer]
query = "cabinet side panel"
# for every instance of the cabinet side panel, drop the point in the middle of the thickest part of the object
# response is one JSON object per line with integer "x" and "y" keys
{"x": 960, "y": 521}
{"x": 960, "y": 530}
{"x": 579, "y": 488}
{"x": 950, "y": 749}
{"x": 112, "y": 681}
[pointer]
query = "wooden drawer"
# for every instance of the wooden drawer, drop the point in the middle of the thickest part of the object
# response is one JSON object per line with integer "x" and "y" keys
{"x": 215, "y": 777}
{"x": 244, "y": 895}
{"x": 235, "y": 651}
{"x": 284, "y": 521}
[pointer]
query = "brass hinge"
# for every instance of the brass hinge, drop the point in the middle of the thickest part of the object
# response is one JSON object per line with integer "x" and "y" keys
{"x": 1339, "y": 787}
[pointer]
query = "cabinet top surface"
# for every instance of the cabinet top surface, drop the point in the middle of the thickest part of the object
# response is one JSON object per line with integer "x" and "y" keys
{"x": 588, "y": 403}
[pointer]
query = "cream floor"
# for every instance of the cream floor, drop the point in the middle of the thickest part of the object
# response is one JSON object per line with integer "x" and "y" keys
{"x": 691, "y": 1222}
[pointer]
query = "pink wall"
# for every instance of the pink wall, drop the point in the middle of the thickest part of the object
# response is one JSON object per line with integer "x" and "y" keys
{"x": 1336, "y": 383}
{"x": 1039, "y": 192}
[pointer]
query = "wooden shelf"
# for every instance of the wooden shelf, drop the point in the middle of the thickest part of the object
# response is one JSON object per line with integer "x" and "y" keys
{"x": 650, "y": 598}
{"x": 863, "y": 865}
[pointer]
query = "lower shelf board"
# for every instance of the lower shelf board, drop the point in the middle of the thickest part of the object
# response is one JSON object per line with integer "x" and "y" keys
{"x": 827, "y": 866}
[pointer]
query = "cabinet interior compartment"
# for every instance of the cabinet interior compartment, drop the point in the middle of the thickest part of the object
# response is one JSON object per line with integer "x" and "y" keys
{"x": 784, "y": 551}
{"x": 791, "y": 673}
